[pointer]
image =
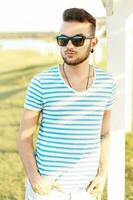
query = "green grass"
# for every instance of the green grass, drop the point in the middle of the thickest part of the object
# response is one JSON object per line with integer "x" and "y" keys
{"x": 129, "y": 167}
{"x": 16, "y": 69}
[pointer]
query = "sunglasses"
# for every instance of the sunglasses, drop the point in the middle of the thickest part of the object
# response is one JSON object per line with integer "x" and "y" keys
{"x": 77, "y": 40}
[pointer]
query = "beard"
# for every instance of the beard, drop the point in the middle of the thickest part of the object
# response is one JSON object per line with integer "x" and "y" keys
{"x": 77, "y": 60}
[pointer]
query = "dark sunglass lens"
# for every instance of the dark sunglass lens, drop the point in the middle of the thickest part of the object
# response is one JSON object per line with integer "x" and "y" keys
{"x": 62, "y": 41}
{"x": 78, "y": 41}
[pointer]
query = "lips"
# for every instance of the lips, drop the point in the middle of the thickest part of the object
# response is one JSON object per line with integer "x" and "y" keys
{"x": 70, "y": 53}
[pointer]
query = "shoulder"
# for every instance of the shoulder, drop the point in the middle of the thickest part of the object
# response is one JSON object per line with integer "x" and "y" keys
{"x": 42, "y": 76}
{"x": 104, "y": 75}
{"x": 106, "y": 79}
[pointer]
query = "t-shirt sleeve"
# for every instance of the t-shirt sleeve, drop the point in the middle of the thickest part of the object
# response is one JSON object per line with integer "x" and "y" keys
{"x": 111, "y": 100}
{"x": 34, "y": 96}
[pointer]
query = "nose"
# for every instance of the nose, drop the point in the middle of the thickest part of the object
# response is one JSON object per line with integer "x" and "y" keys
{"x": 70, "y": 44}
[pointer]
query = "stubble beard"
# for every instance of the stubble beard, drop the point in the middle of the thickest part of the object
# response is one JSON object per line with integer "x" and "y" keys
{"x": 76, "y": 61}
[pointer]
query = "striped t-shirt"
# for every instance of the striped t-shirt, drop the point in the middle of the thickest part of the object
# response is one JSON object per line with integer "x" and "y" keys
{"x": 68, "y": 141}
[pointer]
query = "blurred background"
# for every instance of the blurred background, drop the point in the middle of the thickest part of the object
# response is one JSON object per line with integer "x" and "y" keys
{"x": 27, "y": 47}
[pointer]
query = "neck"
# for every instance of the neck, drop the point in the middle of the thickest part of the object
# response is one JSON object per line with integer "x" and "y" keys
{"x": 78, "y": 71}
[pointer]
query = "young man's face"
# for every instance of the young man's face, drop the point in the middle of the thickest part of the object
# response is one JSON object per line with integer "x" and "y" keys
{"x": 71, "y": 54}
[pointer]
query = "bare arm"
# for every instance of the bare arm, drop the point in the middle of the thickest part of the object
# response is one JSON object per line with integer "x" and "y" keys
{"x": 40, "y": 184}
{"x": 28, "y": 126}
{"x": 97, "y": 185}
{"x": 105, "y": 143}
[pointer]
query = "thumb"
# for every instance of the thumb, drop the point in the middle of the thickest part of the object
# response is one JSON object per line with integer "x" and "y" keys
{"x": 56, "y": 184}
{"x": 92, "y": 186}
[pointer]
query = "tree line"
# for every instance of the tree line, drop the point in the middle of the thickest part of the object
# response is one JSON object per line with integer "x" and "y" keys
{"x": 49, "y": 36}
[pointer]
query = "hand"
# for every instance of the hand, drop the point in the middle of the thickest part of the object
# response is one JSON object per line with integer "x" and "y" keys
{"x": 43, "y": 184}
{"x": 96, "y": 186}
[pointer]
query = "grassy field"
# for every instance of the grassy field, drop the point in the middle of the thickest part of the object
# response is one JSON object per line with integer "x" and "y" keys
{"x": 16, "y": 69}
{"x": 129, "y": 167}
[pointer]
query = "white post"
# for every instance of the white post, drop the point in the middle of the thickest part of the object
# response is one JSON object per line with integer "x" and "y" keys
{"x": 129, "y": 71}
{"x": 119, "y": 64}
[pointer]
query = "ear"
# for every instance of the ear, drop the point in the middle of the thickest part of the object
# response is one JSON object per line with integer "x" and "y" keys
{"x": 94, "y": 41}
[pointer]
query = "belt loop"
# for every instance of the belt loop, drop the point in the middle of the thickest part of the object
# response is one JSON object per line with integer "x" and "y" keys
{"x": 69, "y": 196}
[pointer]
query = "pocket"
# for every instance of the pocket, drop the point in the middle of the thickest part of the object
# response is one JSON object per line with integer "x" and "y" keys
{"x": 42, "y": 197}
{"x": 90, "y": 197}
{"x": 50, "y": 196}
{"x": 32, "y": 195}
{"x": 29, "y": 195}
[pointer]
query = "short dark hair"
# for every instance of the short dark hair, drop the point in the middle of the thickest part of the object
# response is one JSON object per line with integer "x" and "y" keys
{"x": 79, "y": 15}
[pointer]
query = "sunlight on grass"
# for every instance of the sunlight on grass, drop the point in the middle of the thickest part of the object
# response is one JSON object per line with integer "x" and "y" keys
{"x": 129, "y": 167}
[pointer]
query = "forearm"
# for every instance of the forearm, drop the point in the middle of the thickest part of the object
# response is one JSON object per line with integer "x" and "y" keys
{"x": 104, "y": 154}
{"x": 26, "y": 152}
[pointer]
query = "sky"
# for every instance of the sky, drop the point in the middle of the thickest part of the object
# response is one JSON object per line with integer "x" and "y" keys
{"x": 41, "y": 15}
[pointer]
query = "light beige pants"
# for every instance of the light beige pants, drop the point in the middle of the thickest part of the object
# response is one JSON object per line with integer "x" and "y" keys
{"x": 57, "y": 195}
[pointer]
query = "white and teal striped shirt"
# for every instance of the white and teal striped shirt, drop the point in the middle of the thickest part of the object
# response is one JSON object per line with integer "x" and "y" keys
{"x": 68, "y": 142}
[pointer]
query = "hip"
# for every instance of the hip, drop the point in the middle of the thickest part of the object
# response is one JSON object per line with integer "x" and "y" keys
{"x": 30, "y": 194}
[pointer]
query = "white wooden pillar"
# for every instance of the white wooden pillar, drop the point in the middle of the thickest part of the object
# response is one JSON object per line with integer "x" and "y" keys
{"x": 118, "y": 56}
{"x": 129, "y": 70}
{"x": 116, "y": 65}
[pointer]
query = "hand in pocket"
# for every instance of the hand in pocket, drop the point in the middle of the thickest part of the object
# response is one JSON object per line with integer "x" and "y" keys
{"x": 43, "y": 185}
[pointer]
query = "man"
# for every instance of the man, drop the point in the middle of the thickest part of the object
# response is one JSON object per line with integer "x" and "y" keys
{"x": 75, "y": 101}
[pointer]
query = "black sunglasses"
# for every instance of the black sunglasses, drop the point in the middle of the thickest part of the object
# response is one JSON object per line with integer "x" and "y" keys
{"x": 77, "y": 40}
